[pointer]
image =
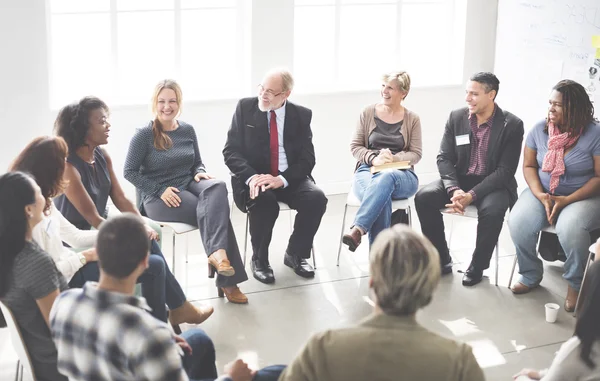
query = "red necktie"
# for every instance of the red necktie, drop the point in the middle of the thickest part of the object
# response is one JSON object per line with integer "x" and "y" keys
{"x": 274, "y": 145}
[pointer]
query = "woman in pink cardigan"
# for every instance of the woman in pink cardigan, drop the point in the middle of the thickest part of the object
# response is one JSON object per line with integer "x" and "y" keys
{"x": 386, "y": 132}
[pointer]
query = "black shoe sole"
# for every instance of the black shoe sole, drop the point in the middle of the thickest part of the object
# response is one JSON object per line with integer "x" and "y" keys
{"x": 350, "y": 243}
{"x": 472, "y": 283}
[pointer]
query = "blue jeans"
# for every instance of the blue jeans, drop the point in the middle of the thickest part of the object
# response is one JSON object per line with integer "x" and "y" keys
{"x": 159, "y": 286}
{"x": 573, "y": 227}
{"x": 376, "y": 193}
{"x": 200, "y": 365}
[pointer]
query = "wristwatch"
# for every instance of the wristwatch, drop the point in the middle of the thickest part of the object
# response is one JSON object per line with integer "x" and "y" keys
{"x": 82, "y": 259}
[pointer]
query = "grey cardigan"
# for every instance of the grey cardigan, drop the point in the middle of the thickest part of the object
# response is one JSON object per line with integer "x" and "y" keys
{"x": 411, "y": 131}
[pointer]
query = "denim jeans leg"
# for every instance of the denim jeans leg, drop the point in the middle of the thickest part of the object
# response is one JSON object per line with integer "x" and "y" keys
{"x": 376, "y": 194}
{"x": 153, "y": 287}
{"x": 174, "y": 295}
{"x": 269, "y": 373}
{"x": 405, "y": 186}
{"x": 573, "y": 227}
{"x": 201, "y": 363}
{"x": 526, "y": 219}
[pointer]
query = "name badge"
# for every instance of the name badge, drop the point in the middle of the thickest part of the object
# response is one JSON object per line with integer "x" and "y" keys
{"x": 462, "y": 140}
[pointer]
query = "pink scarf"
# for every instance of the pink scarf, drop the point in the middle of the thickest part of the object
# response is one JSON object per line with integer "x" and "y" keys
{"x": 554, "y": 159}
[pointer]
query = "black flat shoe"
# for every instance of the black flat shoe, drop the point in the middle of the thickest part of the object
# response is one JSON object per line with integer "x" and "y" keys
{"x": 299, "y": 265}
{"x": 262, "y": 271}
{"x": 472, "y": 277}
{"x": 447, "y": 268}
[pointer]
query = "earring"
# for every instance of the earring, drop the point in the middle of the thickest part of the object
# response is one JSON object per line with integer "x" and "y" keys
{"x": 29, "y": 216}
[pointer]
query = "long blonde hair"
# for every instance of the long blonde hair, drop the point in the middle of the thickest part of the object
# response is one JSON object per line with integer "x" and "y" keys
{"x": 162, "y": 141}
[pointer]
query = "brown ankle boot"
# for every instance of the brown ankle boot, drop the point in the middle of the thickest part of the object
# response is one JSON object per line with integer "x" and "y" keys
{"x": 236, "y": 296}
{"x": 222, "y": 267}
{"x": 190, "y": 314}
{"x": 352, "y": 238}
{"x": 571, "y": 299}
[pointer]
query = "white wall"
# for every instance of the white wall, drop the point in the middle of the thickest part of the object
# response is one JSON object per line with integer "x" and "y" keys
{"x": 24, "y": 97}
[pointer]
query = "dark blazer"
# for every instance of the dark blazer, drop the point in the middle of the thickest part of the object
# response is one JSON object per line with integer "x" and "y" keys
{"x": 503, "y": 153}
{"x": 247, "y": 150}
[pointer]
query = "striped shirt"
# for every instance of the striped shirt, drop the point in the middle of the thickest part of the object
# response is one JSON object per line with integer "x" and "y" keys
{"x": 479, "y": 146}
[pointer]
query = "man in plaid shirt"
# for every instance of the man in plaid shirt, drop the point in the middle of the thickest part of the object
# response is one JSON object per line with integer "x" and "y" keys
{"x": 477, "y": 161}
{"x": 103, "y": 332}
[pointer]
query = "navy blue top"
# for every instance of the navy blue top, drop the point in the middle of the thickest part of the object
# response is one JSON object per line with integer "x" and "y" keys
{"x": 152, "y": 170}
{"x": 96, "y": 181}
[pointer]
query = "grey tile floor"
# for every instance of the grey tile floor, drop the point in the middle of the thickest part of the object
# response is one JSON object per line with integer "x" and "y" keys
{"x": 507, "y": 332}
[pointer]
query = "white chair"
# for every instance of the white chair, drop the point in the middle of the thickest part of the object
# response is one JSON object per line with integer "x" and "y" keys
{"x": 588, "y": 263}
{"x": 24, "y": 361}
{"x": 471, "y": 212}
{"x": 178, "y": 228}
{"x": 283, "y": 207}
{"x": 354, "y": 202}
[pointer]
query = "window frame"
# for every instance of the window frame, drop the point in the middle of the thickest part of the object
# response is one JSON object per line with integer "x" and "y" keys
{"x": 241, "y": 51}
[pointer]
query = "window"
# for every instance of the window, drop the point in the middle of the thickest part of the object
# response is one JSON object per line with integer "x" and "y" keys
{"x": 349, "y": 44}
{"x": 119, "y": 49}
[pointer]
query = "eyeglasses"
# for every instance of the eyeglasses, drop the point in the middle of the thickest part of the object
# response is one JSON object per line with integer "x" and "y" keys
{"x": 270, "y": 94}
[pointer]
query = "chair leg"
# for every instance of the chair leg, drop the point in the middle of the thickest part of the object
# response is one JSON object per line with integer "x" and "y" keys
{"x": 512, "y": 272}
{"x": 497, "y": 261}
{"x": 313, "y": 255}
{"x": 408, "y": 212}
{"x": 187, "y": 246}
{"x": 246, "y": 238}
{"x": 174, "y": 253}
{"x": 342, "y": 234}
{"x": 18, "y": 371}
{"x": 587, "y": 266}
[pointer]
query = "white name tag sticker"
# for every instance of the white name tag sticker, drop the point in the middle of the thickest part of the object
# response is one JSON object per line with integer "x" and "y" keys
{"x": 461, "y": 140}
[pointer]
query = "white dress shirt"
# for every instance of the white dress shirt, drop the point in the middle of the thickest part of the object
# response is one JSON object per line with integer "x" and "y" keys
{"x": 283, "y": 163}
{"x": 50, "y": 234}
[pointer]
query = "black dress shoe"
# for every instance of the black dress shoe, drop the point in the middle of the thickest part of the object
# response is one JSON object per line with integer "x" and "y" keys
{"x": 447, "y": 268}
{"x": 472, "y": 277}
{"x": 262, "y": 271}
{"x": 299, "y": 265}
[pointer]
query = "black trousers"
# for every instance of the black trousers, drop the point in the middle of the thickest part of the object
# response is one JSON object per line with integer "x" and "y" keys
{"x": 304, "y": 197}
{"x": 490, "y": 211}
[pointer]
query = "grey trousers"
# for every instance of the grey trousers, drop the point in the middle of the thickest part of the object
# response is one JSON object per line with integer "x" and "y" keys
{"x": 205, "y": 204}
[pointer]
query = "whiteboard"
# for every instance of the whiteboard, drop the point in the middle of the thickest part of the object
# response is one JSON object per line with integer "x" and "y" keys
{"x": 538, "y": 43}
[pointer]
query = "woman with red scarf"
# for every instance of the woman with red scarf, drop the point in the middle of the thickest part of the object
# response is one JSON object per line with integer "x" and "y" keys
{"x": 561, "y": 165}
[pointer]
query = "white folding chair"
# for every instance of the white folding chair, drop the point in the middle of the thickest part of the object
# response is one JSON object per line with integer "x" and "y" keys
{"x": 354, "y": 202}
{"x": 178, "y": 228}
{"x": 471, "y": 212}
{"x": 283, "y": 207}
{"x": 24, "y": 361}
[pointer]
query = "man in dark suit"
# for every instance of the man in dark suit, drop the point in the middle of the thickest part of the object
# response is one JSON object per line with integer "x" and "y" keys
{"x": 478, "y": 158}
{"x": 270, "y": 154}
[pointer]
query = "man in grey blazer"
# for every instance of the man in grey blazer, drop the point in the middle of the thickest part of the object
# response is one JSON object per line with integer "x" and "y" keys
{"x": 477, "y": 161}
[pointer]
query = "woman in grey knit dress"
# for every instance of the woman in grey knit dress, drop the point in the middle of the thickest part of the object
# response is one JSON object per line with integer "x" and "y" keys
{"x": 164, "y": 164}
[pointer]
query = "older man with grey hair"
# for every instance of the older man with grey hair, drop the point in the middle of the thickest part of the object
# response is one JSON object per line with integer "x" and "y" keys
{"x": 270, "y": 154}
{"x": 390, "y": 344}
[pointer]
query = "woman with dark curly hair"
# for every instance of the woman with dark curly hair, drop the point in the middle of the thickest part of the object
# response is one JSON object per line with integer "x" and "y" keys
{"x": 561, "y": 165}
{"x": 92, "y": 180}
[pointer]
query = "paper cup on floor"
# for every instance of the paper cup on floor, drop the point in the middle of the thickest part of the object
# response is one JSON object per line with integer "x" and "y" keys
{"x": 551, "y": 312}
